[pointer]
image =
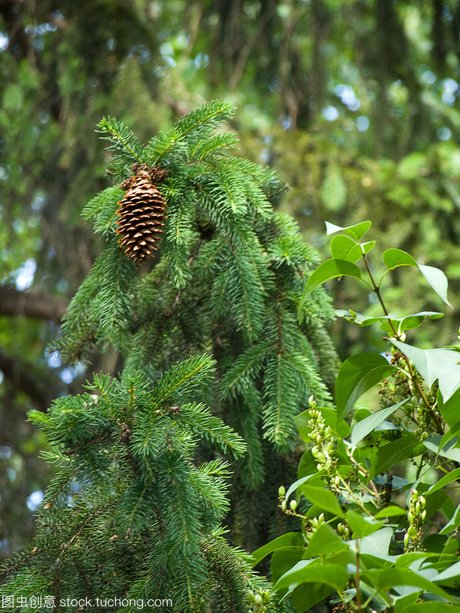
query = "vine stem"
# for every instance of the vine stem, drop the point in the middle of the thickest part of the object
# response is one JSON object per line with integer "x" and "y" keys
{"x": 410, "y": 368}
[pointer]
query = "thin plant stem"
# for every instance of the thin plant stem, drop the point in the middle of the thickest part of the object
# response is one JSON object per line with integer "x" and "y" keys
{"x": 410, "y": 368}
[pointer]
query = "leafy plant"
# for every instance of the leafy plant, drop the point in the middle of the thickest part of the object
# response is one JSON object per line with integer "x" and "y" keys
{"x": 377, "y": 490}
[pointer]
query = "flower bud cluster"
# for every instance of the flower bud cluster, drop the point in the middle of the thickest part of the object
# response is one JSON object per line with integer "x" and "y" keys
{"x": 416, "y": 517}
{"x": 425, "y": 425}
{"x": 323, "y": 440}
{"x": 259, "y": 601}
{"x": 313, "y": 524}
{"x": 289, "y": 510}
{"x": 343, "y": 531}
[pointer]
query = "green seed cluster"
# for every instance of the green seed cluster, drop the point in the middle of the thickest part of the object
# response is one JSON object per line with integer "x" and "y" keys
{"x": 416, "y": 517}
{"x": 323, "y": 441}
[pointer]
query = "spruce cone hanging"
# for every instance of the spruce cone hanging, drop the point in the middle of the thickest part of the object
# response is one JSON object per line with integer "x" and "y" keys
{"x": 141, "y": 212}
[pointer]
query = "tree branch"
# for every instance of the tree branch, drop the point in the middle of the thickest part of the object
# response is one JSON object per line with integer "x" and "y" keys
{"x": 31, "y": 304}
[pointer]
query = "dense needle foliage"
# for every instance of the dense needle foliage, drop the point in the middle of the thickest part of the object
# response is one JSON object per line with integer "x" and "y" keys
{"x": 226, "y": 282}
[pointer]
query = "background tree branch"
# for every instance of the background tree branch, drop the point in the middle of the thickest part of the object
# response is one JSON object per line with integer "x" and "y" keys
{"x": 34, "y": 304}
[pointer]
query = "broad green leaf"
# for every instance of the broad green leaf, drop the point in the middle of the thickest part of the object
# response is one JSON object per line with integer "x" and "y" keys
{"x": 452, "y": 476}
{"x": 345, "y": 248}
{"x": 391, "y": 511}
{"x": 362, "y": 320}
{"x": 284, "y": 559}
{"x": 376, "y": 544}
{"x": 437, "y": 279}
{"x": 447, "y": 546}
{"x": 452, "y": 433}
{"x": 323, "y": 498}
{"x": 407, "y": 559}
{"x": 356, "y": 231}
{"x": 301, "y": 481}
{"x": 286, "y": 540}
{"x": 394, "y": 258}
{"x": 450, "y": 573}
{"x": 325, "y": 540}
{"x": 453, "y": 523}
{"x": 367, "y": 425}
{"x": 437, "y": 501}
{"x": 403, "y": 602}
{"x": 449, "y": 409}
{"x": 307, "y": 572}
{"x": 307, "y": 595}
{"x": 392, "y": 453}
{"x": 307, "y": 465}
{"x": 361, "y": 525}
{"x": 331, "y": 269}
{"x": 393, "y": 577}
{"x": 356, "y": 376}
{"x": 409, "y": 322}
{"x": 447, "y": 451}
{"x": 435, "y": 364}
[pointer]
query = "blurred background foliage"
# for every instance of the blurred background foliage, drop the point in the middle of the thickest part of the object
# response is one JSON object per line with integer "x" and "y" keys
{"x": 355, "y": 103}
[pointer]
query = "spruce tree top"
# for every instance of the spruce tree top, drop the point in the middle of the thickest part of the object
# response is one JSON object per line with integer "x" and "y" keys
{"x": 225, "y": 280}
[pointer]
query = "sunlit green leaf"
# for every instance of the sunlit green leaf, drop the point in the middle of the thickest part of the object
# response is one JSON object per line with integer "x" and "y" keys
{"x": 367, "y": 425}
{"x": 324, "y": 540}
{"x": 331, "y": 269}
{"x": 452, "y": 476}
{"x": 446, "y": 451}
{"x": 323, "y": 498}
{"x": 306, "y": 572}
{"x": 307, "y": 595}
{"x": 392, "y": 453}
{"x": 390, "y": 323}
{"x": 453, "y": 523}
{"x": 362, "y": 525}
{"x": 442, "y": 365}
{"x": 286, "y": 540}
{"x": 394, "y": 258}
{"x": 284, "y": 559}
{"x": 345, "y": 248}
{"x": 391, "y": 511}
{"x": 300, "y": 482}
{"x": 356, "y": 231}
{"x": 393, "y": 577}
{"x": 376, "y": 544}
{"x": 437, "y": 279}
{"x": 450, "y": 573}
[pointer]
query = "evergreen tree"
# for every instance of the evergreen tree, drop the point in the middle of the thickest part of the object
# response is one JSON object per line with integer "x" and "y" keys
{"x": 129, "y": 515}
{"x": 136, "y": 506}
{"x": 225, "y": 280}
